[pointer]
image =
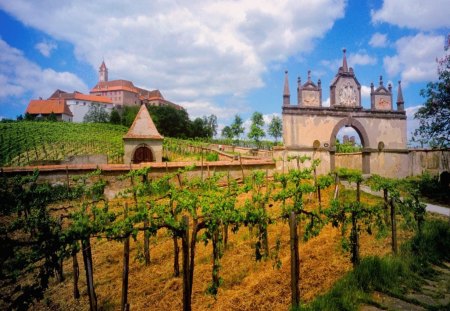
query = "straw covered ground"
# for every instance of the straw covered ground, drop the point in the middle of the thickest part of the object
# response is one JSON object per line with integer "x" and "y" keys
{"x": 247, "y": 284}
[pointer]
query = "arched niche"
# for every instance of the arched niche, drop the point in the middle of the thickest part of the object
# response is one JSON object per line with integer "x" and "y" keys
{"x": 142, "y": 153}
{"x": 359, "y": 128}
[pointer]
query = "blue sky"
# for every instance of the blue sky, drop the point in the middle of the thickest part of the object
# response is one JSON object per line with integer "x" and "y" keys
{"x": 217, "y": 57}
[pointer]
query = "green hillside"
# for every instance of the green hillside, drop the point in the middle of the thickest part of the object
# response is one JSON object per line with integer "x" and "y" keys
{"x": 23, "y": 143}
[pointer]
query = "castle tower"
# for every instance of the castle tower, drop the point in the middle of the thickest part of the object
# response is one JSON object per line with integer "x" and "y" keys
{"x": 103, "y": 73}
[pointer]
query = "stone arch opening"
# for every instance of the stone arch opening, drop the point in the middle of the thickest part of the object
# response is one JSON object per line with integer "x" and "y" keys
{"x": 142, "y": 153}
{"x": 359, "y": 128}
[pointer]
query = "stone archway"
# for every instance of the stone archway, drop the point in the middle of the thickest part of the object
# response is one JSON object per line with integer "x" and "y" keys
{"x": 142, "y": 154}
{"x": 359, "y": 128}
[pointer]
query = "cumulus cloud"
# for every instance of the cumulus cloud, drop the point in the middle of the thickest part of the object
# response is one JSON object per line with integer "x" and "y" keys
{"x": 411, "y": 123}
{"x": 365, "y": 91}
{"x": 415, "y": 57}
{"x": 20, "y": 77}
{"x": 326, "y": 103}
{"x": 204, "y": 108}
{"x": 378, "y": 40}
{"x": 188, "y": 49}
{"x": 422, "y": 15}
{"x": 361, "y": 59}
{"x": 45, "y": 47}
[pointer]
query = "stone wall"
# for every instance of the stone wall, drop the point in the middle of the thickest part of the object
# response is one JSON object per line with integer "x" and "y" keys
{"x": 59, "y": 174}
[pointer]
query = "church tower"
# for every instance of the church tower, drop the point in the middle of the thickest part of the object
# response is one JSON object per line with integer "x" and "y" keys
{"x": 103, "y": 73}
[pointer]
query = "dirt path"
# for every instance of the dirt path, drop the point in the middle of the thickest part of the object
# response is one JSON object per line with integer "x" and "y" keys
{"x": 434, "y": 294}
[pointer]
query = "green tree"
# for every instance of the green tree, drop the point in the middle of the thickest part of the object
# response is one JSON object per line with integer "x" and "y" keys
{"x": 211, "y": 125}
{"x": 256, "y": 128}
{"x": 129, "y": 114}
{"x": 434, "y": 116}
{"x": 198, "y": 128}
{"x": 227, "y": 132}
{"x": 276, "y": 128}
{"x": 52, "y": 117}
{"x": 96, "y": 114}
{"x": 171, "y": 122}
{"x": 115, "y": 118}
{"x": 237, "y": 127}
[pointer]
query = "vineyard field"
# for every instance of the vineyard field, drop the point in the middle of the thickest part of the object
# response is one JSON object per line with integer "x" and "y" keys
{"x": 25, "y": 143}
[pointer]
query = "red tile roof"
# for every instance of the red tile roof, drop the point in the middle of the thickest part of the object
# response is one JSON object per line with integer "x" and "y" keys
{"x": 92, "y": 98}
{"x": 40, "y": 106}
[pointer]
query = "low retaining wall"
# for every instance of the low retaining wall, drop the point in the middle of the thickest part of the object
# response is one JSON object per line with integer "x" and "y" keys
{"x": 59, "y": 174}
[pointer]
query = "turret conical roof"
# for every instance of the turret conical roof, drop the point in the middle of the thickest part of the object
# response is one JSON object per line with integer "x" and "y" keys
{"x": 143, "y": 126}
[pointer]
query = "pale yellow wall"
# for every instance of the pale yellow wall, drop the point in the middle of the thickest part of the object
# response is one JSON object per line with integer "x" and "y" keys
{"x": 302, "y": 130}
{"x": 131, "y": 145}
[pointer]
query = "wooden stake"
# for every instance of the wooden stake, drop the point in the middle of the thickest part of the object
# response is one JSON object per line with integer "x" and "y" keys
{"x": 295, "y": 261}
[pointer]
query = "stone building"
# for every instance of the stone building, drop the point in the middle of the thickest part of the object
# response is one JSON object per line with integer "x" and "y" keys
{"x": 143, "y": 143}
{"x": 42, "y": 108}
{"x": 311, "y": 129}
{"x": 79, "y": 104}
{"x": 124, "y": 93}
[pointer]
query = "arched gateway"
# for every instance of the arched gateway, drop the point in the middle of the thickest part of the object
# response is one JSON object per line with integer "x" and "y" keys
{"x": 310, "y": 128}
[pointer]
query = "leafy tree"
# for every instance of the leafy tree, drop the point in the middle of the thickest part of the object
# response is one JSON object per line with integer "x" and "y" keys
{"x": 115, "y": 118}
{"x": 96, "y": 114}
{"x": 237, "y": 127}
{"x": 276, "y": 128}
{"x": 52, "y": 117}
{"x": 198, "y": 128}
{"x": 170, "y": 121}
{"x": 29, "y": 117}
{"x": 129, "y": 114}
{"x": 227, "y": 132}
{"x": 256, "y": 129}
{"x": 211, "y": 125}
{"x": 434, "y": 116}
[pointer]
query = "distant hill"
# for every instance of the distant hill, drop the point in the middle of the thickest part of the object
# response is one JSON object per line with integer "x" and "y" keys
{"x": 24, "y": 143}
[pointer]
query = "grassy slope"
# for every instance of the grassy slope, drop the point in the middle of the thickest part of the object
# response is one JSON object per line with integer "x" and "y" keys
{"x": 23, "y": 143}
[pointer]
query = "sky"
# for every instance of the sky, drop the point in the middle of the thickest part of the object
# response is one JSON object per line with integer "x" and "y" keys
{"x": 222, "y": 57}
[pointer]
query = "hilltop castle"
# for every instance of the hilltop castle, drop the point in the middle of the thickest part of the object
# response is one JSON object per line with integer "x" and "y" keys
{"x": 124, "y": 93}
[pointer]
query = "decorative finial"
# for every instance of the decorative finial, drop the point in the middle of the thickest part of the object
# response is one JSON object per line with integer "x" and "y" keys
{"x": 381, "y": 80}
{"x": 309, "y": 75}
{"x": 344, "y": 61}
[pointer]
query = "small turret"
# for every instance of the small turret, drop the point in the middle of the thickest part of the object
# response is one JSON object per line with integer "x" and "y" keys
{"x": 400, "y": 102}
{"x": 286, "y": 93}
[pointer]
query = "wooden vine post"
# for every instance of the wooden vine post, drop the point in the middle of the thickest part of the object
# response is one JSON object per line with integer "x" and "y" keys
{"x": 76, "y": 272}
{"x": 125, "y": 306}
{"x": 295, "y": 261}
{"x": 393, "y": 226}
{"x": 87, "y": 259}
{"x": 186, "y": 265}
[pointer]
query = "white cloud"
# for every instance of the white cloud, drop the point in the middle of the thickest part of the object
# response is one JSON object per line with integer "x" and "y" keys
{"x": 361, "y": 59}
{"x": 415, "y": 57}
{"x": 20, "y": 77}
{"x": 411, "y": 123}
{"x": 187, "y": 49}
{"x": 353, "y": 59}
{"x": 45, "y": 47}
{"x": 326, "y": 103}
{"x": 365, "y": 91}
{"x": 378, "y": 40}
{"x": 205, "y": 108}
{"x": 422, "y": 15}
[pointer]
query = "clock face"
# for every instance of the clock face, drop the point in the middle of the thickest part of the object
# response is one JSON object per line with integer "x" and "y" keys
{"x": 347, "y": 95}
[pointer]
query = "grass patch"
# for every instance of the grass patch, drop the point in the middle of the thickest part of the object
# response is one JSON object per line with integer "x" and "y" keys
{"x": 390, "y": 274}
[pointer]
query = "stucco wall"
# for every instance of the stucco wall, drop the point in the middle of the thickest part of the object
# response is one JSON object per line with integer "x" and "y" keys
{"x": 303, "y": 130}
{"x": 130, "y": 146}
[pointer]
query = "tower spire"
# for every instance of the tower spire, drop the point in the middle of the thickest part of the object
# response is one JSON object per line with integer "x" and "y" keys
{"x": 103, "y": 72}
{"x": 400, "y": 101}
{"x": 286, "y": 93}
{"x": 344, "y": 61}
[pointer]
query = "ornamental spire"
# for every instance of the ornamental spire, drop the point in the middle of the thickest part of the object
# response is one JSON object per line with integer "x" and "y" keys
{"x": 344, "y": 61}
{"x": 286, "y": 93}
{"x": 400, "y": 101}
